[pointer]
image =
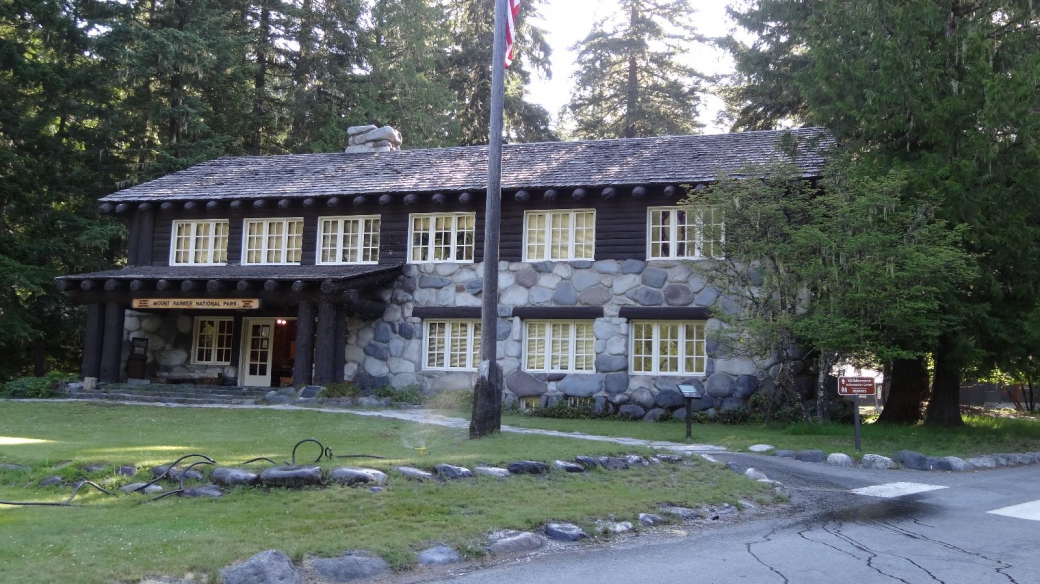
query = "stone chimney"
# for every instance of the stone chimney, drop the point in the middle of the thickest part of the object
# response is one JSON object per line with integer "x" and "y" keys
{"x": 372, "y": 139}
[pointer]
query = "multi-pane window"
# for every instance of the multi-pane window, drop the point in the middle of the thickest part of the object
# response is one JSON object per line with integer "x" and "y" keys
{"x": 441, "y": 237}
{"x": 559, "y": 235}
{"x": 199, "y": 243}
{"x": 684, "y": 232}
{"x": 213, "y": 339}
{"x": 273, "y": 241}
{"x": 453, "y": 344}
{"x": 668, "y": 347}
{"x": 348, "y": 240}
{"x": 559, "y": 346}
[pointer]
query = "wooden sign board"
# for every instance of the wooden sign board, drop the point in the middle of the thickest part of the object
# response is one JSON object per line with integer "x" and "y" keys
{"x": 856, "y": 386}
{"x": 197, "y": 303}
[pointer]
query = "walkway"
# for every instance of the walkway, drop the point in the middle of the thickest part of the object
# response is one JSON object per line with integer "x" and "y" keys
{"x": 422, "y": 416}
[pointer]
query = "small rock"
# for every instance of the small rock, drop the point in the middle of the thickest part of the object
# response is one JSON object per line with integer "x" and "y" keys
{"x": 126, "y": 471}
{"x": 528, "y": 467}
{"x": 349, "y": 476}
{"x": 492, "y": 471}
{"x": 669, "y": 458}
{"x": 952, "y": 463}
{"x": 636, "y": 460}
{"x": 414, "y": 473}
{"x": 232, "y": 477}
{"x": 95, "y": 467}
{"x": 649, "y": 519}
{"x": 513, "y": 542}
{"x": 614, "y": 527}
{"x": 876, "y": 461}
{"x": 452, "y": 472}
{"x": 375, "y": 489}
{"x": 810, "y": 456}
{"x": 840, "y": 459}
{"x": 760, "y": 448}
{"x": 15, "y": 467}
{"x": 771, "y": 482}
{"x": 349, "y": 567}
{"x": 613, "y": 463}
{"x": 587, "y": 461}
{"x": 684, "y": 513}
{"x": 131, "y": 487}
{"x": 733, "y": 467}
{"x": 565, "y": 531}
{"x": 153, "y": 489}
{"x": 439, "y": 555}
{"x": 212, "y": 491}
{"x": 175, "y": 473}
{"x": 568, "y": 466}
{"x": 982, "y": 462}
{"x": 755, "y": 475}
{"x": 912, "y": 460}
{"x": 51, "y": 480}
{"x": 269, "y": 567}
{"x": 784, "y": 453}
{"x": 291, "y": 476}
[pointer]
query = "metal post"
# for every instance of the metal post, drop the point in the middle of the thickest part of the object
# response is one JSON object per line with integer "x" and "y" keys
{"x": 487, "y": 395}
{"x": 855, "y": 416}
{"x": 689, "y": 418}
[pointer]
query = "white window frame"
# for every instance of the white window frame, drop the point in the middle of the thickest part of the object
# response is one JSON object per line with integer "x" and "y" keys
{"x": 430, "y": 245}
{"x": 655, "y": 356}
{"x": 215, "y": 338}
{"x": 547, "y": 244}
{"x": 212, "y": 251}
{"x": 569, "y": 352}
{"x": 695, "y": 240}
{"x": 471, "y": 350}
{"x": 265, "y": 236}
{"x": 366, "y": 226}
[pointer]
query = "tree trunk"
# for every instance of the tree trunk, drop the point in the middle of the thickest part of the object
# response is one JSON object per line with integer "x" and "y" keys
{"x": 39, "y": 357}
{"x": 633, "y": 82}
{"x": 907, "y": 389}
{"x": 944, "y": 408}
{"x": 260, "y": 80}
{"x": 824, "y": 364}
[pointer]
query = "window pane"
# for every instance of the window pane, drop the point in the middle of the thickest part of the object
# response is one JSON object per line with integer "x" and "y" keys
{"x": 370, "y": 242}
{"x": 584, "y": 234}
{"x": 559, "y": 236}
{"x": 536, "y": 345}
{"x": 435, "y": 344}
{"x": 536, "y": 236}
{"x": 220, "y": 242}
{"x": 642, "y": 347}
{"x": 294, "y": 240}
{"x": 329, "y": 238}
{"x": 584, "y": 347}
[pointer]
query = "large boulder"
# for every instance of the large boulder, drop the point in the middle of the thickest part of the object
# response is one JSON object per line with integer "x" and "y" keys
{"x": 528, "y": 467}
{"x": 913, "y": 460}
{"x": 349, "y": 567}
{"x": 291, "y": 476}
{"x": 349, "y": 476}
{"x": 564, "y": 532}
{"x": 513, "y": 542}
{"x": 233, "y": 477}
{"x": 269, "y": 567}
{"x": 577, "y": 385}
{"x": 876, "y": 461}
{"x": 449, "y": 471}
{"x": 437, "y": 555}
{"x": 523, "y": 384}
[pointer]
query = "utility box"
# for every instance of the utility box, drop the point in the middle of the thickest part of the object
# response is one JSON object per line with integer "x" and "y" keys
{"x": 137, "y": 363}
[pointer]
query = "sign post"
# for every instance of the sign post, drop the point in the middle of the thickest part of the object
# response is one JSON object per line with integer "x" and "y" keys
{"x": 853, "y": 387}
{"x": 690, "y": 393}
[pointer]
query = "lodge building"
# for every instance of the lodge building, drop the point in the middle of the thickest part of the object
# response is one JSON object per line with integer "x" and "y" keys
{"x": 367, "y": 266}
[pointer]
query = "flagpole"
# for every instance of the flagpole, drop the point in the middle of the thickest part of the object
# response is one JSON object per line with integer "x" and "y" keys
{"x": 487, "y": 393}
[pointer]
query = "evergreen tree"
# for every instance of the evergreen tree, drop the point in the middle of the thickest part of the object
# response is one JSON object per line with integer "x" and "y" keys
{"x": 631, "y": 81}
{"x": 945, "y": 89}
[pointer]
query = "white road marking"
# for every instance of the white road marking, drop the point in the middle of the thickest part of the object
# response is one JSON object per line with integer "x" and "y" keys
{"x": 1030, "y": 510}
{"x": 893, "y": 490}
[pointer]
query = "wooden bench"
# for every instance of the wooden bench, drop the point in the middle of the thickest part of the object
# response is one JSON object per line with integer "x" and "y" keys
{"x": 192, "y": 378}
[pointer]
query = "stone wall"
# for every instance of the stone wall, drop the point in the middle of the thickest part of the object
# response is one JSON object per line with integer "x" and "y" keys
{"x": 391, "y": 351}
{"x": 169, "y": 344}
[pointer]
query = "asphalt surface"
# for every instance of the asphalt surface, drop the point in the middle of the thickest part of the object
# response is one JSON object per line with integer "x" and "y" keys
{"x": 830, "y": 535}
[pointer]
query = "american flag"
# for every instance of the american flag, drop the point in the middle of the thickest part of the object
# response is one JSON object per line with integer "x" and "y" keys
{"x": 511, "y": 14}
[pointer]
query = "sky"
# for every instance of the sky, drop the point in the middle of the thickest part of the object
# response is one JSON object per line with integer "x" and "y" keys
{"x": 568, "y": 21}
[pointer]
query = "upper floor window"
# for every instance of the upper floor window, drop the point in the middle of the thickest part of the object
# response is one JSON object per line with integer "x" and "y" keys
{"x": 199, "y": 243}
{"x": 668, "y": 347}
{"x": 559, "y": 235}
{"x": 441, "y": 237}
{"x": 452, "y": 344}
{"x": 559, "y": 346}
{"x": 348, "y": 240}
{"x": 684, "y": 233}
{"x": 273, "y": 241}
{"x": 213, "y": 339}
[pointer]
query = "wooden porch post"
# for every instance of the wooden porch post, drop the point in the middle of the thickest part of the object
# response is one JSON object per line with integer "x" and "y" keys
{"x": 325, "y": 340}
{"x": 302, "y": 367}
{"x": 112, "y": 346}
{"x": 339, "y": 357}
{"x": 92, "y": 340}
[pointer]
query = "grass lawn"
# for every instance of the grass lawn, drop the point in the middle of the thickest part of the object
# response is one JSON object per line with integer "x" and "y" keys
{"x": 982, "y": 434}
{"x": 120, "y": 539}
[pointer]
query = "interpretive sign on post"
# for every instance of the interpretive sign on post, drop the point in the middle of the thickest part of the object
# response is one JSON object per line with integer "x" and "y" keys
{"x": 853, "y": 387}
{"x": 690, "y": 393}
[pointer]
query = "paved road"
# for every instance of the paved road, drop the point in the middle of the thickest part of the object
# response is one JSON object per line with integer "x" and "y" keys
{"x": 965, "y": 528}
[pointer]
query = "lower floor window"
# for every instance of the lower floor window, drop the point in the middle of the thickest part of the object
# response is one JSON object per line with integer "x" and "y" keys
{"x": 530, "y": 402}
{"x": 668, "y": 347}
{"x": 213, "y": 339}
{"x": 565, "y": 346}
{"x": 453, "y": 344}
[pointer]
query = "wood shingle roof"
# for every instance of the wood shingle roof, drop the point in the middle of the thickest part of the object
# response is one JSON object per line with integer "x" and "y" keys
{"x": 635, "y": 161}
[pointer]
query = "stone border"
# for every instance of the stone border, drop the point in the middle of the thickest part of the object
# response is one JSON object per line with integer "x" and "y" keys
{"x": 904, "y": 459}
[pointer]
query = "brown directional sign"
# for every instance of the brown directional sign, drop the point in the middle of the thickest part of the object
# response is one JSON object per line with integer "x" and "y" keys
{"x": 856, "y": 386}
{"x": 198, "y": 303}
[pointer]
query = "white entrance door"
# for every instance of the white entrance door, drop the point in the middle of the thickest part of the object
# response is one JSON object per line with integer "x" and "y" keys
{"x": 257, "y": 343}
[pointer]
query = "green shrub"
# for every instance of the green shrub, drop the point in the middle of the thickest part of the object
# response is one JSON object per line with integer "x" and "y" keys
{"x": 341, "y": 389}
{"x": 451, "y": 400}
{"x": 566, "y": 411}
{"x": 49, "y": 385}
{"x": 409, "y": 394}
